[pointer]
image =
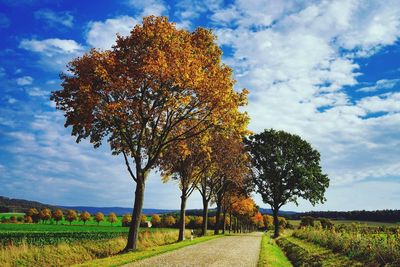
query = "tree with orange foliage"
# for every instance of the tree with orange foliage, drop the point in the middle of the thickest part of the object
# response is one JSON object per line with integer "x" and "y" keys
{"x": 45, "y": 214}
{"x": 140, "y": 94}
{"x": 243, "y": 208}
{"x": 84, "y": 217}
{"x": 57, "y": 215}
{"x": 99, "y": 217}
{"x": 183, "y": 163}
{"x": 232, "y": 169}
{"x": 257, "y": 220}
{"x": 112, "y": 218}
{"x": 71, "y": 216}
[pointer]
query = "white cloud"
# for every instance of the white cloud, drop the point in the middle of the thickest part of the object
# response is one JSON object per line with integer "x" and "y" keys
{"x": 52, "y": 46}
{"x": 380, "y": 85}
{"x": 150, "y": 7}
{"x": 37, "y": 92}
{"x": 25, "y": 80}
{"x": 298, "y": 61}
{"x": 383, "y": 103}
{"x": 54, "y": 19}
{"x": 103, "y": 34}
{"x": 54, "y": 52}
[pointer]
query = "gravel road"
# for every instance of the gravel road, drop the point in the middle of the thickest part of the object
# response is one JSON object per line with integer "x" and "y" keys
{"x": 240, "y": 250}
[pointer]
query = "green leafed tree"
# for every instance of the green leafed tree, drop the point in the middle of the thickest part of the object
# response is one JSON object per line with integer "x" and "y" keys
{"x": 286, "y": 168}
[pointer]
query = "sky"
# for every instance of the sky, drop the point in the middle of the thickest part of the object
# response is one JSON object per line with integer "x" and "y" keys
{"x": 328, "y": 71}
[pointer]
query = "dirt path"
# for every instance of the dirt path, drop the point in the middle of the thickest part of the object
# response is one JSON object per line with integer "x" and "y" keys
{"x": 240, "y": 250}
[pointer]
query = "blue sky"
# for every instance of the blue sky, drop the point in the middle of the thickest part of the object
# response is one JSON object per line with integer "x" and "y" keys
{"x": 326, "y": 70}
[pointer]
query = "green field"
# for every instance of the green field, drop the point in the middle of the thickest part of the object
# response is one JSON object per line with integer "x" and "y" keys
{"x": 39, "y": 227}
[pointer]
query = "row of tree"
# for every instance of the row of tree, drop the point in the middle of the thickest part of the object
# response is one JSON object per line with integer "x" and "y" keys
{"x": 44, "y": 215}
{"x": 163, "y": 99}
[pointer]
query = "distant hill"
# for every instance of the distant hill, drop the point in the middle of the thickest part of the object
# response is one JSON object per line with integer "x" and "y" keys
{"x": 21, "y": 205}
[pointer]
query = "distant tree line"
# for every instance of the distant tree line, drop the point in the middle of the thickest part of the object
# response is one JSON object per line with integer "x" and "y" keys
{"x": 359, "y": 215}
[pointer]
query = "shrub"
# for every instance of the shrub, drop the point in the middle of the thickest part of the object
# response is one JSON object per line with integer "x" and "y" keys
{"x": 307, "y": 221}
{"x": 13, "y": 219}
{"x": 326, "y": 223}
{"x": 28, "y": 219}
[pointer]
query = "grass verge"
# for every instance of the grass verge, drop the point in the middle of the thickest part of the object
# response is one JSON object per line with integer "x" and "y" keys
{"x": 143, "y": 254}
{"x": 302, "y": 253}
{"x": 271, "y": 254}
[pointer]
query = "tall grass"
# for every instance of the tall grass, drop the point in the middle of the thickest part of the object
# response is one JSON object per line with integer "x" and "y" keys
{"x": 73, "y": 253}
{"x": 376, "y": 249}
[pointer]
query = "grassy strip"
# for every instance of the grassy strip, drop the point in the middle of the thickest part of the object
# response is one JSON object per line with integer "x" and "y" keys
{"x": 143, "y": 254}
{"x": 67, "y": 254}
{"x": 302, "y": 253}
{"x": 271, "y": 254}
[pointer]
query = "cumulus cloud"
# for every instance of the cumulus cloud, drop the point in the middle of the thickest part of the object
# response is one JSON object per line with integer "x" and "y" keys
{"x": 54, "y": 52}
{"x": 103, "y": 34}
{"x": 25, "y": 80}
{"x": 298, "y": 59}
{"x": 55, "y": 19}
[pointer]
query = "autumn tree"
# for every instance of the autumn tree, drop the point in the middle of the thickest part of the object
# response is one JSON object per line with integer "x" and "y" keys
{"x": 184, "y": 164}
{"x": 143, "y": 220}
{"x": 99, "y": 217}
{"x": 45, "y": 214}
{"x": 169, "y": 221}
{"x": 34, "y": 214}
{"x": 231, "y": 169}
{"x": 84, "y": 217}
{"x": 126, "y": 219}
{"x": 57, "y": 215}
{"x": 139, "y": 94}
{"x": 71, "y": 216}
{"x": 155, "y": 220}
{"x": 112, "y": 218}
{"x": 198, "y": 221}
{"x": 268, "y": 221}
{"x": 286, "y": 168}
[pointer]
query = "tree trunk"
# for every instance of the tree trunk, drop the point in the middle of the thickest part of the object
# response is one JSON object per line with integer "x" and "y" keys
{"x": 205, "y": 217}
{"x": 224, "y": 222}
{"x": 217, "y": 217}
{"x": 136, "y": 213}
{"x": 181, "y": 236}
{"x": 230, "y": 221}
{"x": 276, "y": 223}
